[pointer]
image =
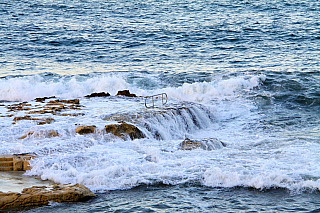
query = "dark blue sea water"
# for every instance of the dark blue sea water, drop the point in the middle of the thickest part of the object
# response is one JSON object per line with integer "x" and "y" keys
{"x": 245, "y": 72}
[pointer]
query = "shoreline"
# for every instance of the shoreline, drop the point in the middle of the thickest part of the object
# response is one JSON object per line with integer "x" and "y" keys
{"x": 16, "y": 181}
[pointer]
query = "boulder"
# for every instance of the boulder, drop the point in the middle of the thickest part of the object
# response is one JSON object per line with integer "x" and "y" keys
{"x": 205, "y": 144}
{"x": 126, "y": 93}
{"x": 41, "y": 195}
{"x": 85, "y": 129}
{"x": 99, "y": 94}
{"x": 123, "y": 129}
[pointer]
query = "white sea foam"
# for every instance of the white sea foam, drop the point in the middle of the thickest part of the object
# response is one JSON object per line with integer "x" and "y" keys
{"x": 217, "y": 109}
{"x": 215, "y": 177}
{"x": 204, "y": 92}
{"x": 125, "y": 164}
{"x": 30, "y": 87}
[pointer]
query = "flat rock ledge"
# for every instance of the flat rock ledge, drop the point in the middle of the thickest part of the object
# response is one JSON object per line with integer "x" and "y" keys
{"x": 41, "y": 195}
{"x": 17, "y": 162}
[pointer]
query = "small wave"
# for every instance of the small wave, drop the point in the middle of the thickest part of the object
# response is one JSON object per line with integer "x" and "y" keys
{"x": 216, "y": 177}
{"x": 205, "y": 92}
{"x": 26, "y": 88}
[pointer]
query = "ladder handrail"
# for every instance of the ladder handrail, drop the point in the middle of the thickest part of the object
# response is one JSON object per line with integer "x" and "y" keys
{"x": 164, "y": 101}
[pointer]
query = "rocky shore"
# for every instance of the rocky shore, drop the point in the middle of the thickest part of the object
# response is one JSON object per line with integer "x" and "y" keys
{"x": 35, "y": 195}
{"x": 126, "y": 126}
{"x": 42, "y": 195}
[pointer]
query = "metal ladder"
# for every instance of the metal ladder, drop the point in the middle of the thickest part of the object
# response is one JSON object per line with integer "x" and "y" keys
{"x": 163, "y": 96}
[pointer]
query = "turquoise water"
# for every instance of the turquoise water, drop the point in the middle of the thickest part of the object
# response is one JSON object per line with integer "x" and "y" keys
{"x": 244, "y": 72}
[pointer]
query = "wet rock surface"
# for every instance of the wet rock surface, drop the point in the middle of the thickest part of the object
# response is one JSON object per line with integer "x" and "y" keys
{"x": 40, "y": 121}
{"x": 54, "y": 107}
{"x": 43, "y": 99}
{"x": 85, "y": 129}
{"x": 123, "y": 129}
{"x": 41, "y": 195}
{"x": 126, "y": 93}
{"x": 24, "y": 106}
{"x": 98, "y": 94}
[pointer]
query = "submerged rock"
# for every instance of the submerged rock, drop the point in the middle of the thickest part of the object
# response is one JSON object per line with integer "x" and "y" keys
{"x": 98, "y": 94}
{"x": 41, "y": 195}
{"x": 72, "y": 114}
{"x": 71, "y": 101}
{"x": 54, "y": 107}
{"x": 188, "y": 144}
{"x": 43, "y": 121}
{"x": 43, "y": 99}
{"x": 205, "y": 144}
{"x": 85, "y": 129}
{"x": 42, "y": 133}
{"x": 123, "y": 129}
{"x": 126, "y": 93}
{"x": 40, "y": 121}
{"x": 24, "y": 106}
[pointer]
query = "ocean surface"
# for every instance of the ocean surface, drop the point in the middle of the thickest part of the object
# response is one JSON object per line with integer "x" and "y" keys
{"x": 243, "y": 72}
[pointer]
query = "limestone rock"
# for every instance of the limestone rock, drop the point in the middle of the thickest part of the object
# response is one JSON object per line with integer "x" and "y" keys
{"x": 26, "y": 117}
{"x": 85, "y": 129}
{"x": 43, "y": 99}
{"x": 54, "y": 107}
{"x": 41, "y": 195}
{"x": 40, "y": 121}
{"x": 24, "y": 106}
{"x": 54, "y": 103}
{"x": 16, "y": 162}
{"x": 72, "y": 114}
{"x": 72, "y": 101}
{"x": 123, "y": 129}
{"x": 126, "y": 93}
{"x": 205, "y": 144}
{"x": 99, "y": 94}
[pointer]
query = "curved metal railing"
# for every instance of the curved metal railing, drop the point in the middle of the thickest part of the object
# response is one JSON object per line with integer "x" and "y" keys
{"x": 163, "y": 96}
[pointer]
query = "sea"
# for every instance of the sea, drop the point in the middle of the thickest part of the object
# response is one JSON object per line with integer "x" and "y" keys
{"x": 242, "y": 73}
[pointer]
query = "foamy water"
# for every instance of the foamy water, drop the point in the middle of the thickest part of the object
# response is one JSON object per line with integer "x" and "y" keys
{"x": 220, "y": 108}
{"x": 244, "y": 74}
